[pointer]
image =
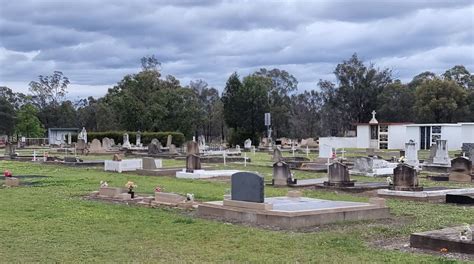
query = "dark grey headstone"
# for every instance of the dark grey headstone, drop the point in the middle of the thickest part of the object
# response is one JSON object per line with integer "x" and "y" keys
{"x": 192, "y": 148}
{"x": 154, "y": 147}
{"x": 338, "y": 172}
{"x": 461, "y": 165}
{"x": 467, "y": 148}
{"x": 193, "y": 162}
{"x": 247, "y": 187}
{"x": 405, "y": 178}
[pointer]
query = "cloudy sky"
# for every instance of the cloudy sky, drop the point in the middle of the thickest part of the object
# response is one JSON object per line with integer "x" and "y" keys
{"x": 95, "y": 43}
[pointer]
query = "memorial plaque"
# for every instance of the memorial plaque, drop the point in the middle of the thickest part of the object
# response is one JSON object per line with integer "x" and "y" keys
{"x": 247, "y": 187}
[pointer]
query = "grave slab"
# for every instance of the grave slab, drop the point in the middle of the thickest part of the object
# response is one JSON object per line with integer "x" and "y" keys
{"x": 435, "y": 195}
{"x": 204, "y": 174}
{"x": 294, "y": 213}
{"x": 447, "y": 238}
{"x": 12, "y": 182}
{"x": 123, "y": 165}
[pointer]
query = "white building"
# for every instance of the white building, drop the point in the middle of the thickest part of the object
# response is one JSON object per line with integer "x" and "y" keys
{"x": 394, "y": 136}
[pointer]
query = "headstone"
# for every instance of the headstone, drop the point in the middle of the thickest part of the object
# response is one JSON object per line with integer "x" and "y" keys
{"x": 172, "y": 149}
{"x": 193, "y": 162}
{"x": 138, "y": 139}
{"x": 202, "y": 142}
{"x": 82, "y": 135}
{"x": 282, "y": 174}
{"x": 192, "y": 148}
{"x": 95, "y": 146}
{"x": 433, "y": 150}
{"x": 338, "y": 175}
{"x": 276, "y": 155}
{"x": 151, "y": 163}
{"x": 237, "y": 148}
{"x": 441, "y": 156}
{"x": 363, "y": 164}
{"x": 405, "y": 178}
{"x": 247, "y": 187}
{"x": 10, "y": 150}
{"x": 81, "y": 145}
{"x": 467, "y": 148}
{"x": 247, "y": 144}
{"x": 169, "y": 141}
{"x": 411, "y": 154}
{"x": 106, "y": 143}
{"x": 126, "y": 142}
{"x": 460, "y": 170}
{"x": 154, "y": 147}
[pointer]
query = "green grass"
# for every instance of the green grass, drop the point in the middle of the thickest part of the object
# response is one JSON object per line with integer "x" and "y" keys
{"x": 50, "y": 222}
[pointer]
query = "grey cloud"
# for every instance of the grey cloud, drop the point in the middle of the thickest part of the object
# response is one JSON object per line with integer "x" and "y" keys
{"x": 98, "y": 42}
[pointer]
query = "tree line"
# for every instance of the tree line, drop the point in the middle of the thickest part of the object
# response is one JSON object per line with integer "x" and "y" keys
{"x": 148, "y": 101}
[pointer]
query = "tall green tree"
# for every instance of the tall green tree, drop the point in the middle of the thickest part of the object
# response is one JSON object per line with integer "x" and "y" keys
{"x": 396, "y": 103}
{"x": 283, "y": 85}
{"x": 354, "y": 97}
{"x": 28, "y": 124}
{"x": 7, "y": 117}
{"x": 305, "y": 114}
{"x": 245, "y": 104}
{"x": 440, "y": 101}
{"x": 210, "y": 104}
{"x": 49, "y": 89}
{"x": 460, "y": 75}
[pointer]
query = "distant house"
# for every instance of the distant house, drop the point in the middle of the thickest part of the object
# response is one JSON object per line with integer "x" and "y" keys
{"x": 58, "y": 136}
{"x": 394, "y": 136}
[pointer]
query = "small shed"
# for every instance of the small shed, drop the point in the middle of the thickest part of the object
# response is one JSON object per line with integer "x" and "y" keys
{"x": 58, "y": 136}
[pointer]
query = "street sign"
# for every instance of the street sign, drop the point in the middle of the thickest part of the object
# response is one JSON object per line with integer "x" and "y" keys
{"x": 267, "y": 119}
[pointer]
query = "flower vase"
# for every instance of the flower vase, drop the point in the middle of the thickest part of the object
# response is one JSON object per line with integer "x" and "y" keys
{"x": 132, "y": 194}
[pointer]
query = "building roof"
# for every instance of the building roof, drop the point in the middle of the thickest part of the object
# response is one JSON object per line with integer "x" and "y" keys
{"x": 384, "y": 123}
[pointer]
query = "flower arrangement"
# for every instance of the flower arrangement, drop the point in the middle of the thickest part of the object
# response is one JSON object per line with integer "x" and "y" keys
{"x": 158, "y": 189}
{"x": 7, "y": 173}
{"x": 402, "y": 159}
{"x": 466, "y": 233}
{"x": 190, "y": 197}
{"x": 131, "y": 185}
{"x": 103, "y": 184}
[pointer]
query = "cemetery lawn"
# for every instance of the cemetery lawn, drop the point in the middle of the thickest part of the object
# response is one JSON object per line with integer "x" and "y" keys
{"x": 49, "y": 221}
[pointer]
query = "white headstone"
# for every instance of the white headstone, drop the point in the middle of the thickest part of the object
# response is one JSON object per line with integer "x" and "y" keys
{"x": 247, "y": 144}
{"x": 83, "y": 135}
{"x": 138, "y": 140}
{"x": 411, "y": 154}
{"x": 126, "y": 142}
{"x": 441, "y": 155}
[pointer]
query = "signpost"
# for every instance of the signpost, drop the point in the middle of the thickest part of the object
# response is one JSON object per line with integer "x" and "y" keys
{"x": 269, "y": 129}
